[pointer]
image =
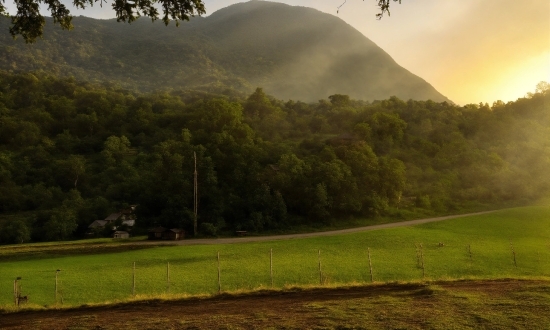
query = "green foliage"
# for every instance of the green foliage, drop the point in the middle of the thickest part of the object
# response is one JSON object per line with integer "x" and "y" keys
{"x": 29, "y": 23}
{"x": 14, "y": 231}
{"x": 79, "y": 151}
{"x": 61, "y": 225}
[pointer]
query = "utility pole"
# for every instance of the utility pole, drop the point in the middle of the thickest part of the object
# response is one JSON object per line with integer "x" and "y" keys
{"x": 195, "y": 196}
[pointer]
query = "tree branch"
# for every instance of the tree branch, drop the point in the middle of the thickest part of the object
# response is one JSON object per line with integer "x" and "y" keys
{"x": 29, "y": 23}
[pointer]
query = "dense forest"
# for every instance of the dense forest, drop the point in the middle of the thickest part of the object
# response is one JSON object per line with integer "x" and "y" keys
{"x": 73, "y": 152}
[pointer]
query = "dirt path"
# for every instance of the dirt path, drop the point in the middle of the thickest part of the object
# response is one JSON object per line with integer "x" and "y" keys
{"x": 212, "y": 241}
{"x": 503, "y": 304}
{"x": 40, "y": 250}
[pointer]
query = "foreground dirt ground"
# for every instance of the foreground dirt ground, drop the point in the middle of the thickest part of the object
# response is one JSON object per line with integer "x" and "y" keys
{"x": 503, "y": 304}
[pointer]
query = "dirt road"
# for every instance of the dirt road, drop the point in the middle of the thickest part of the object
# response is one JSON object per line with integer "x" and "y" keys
{"x": 39, "y": 250}
{"x": 231, "y": 240}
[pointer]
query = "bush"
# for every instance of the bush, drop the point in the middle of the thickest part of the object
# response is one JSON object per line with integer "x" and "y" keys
{"x": 208, "y": 229}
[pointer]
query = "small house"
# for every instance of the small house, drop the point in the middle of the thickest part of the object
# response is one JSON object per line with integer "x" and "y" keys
{"x": 125, "y": 217}
{"x": 121, "y": 234}
{"x": 173, "y": 234}
{"x": 156, "y": 233}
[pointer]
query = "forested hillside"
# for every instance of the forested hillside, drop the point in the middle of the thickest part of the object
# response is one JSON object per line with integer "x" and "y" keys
{"x": 293, "y": 52}
{"x": 72, "y": 152}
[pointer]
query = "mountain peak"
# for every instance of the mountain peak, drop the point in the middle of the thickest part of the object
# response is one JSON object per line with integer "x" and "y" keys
{"x": 292, "y": 52}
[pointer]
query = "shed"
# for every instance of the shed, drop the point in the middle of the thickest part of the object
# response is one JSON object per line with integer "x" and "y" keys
{"x": 173, "y": 234}
{"x": 156, "y": 233}
{"x": 121, "y": 234}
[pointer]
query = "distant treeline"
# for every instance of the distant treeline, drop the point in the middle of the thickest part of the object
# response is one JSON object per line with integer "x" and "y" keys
{"x": 73, "y": 152}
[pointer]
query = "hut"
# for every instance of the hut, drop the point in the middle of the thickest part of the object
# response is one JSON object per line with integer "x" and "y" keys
{"x": 121, "y": 234}
{"x": 156, "y": 233}
{"x": 173, "y": 234}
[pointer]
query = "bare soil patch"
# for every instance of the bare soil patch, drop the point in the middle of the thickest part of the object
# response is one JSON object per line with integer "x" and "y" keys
{"x": 502, "y": 304}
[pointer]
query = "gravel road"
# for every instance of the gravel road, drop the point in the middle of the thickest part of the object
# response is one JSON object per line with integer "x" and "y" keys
{"x": 213, "y": 241}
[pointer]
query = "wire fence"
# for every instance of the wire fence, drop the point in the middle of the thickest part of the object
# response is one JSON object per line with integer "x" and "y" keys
{"x": 71, "y": 283}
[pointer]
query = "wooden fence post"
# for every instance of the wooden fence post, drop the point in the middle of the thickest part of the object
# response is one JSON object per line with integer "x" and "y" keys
{"x": 514, "y": 254}
{"x": 167, "y": 277}
{"x": 370, "y": 266}
{"x": 417, "y": 255}
{"x": 422, "y": 259}
{"x": 219, "y": 275}
{"x": 320, "y": 271}
{"x": 271, "y": 266}
{"x": 56, "y": 272}
{"x": 134, "y": 280}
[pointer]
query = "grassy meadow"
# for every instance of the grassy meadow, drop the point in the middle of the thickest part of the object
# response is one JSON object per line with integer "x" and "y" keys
{"x": 395, "y": 256}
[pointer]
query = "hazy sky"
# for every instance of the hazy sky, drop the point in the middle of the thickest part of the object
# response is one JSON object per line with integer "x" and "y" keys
{"x": 469, "y": 50}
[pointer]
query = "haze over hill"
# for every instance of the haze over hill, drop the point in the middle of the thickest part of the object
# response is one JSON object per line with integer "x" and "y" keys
{"x": 292, "y": 52}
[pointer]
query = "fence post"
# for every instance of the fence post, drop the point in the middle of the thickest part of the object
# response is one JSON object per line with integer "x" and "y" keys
{"x": 514, "y": 254}
{"x": 134, "y": 280}
{"x": 219, "y": 275}
{"x": 15, "y": 292}
{"x": 56, "y": 273}
{"x": 271, "y": 266}
{"x": 167, "y": 277}
{"x": 422, "y": 259}
{"x": 370, "y": 266}
{"x": 320, "y": 271}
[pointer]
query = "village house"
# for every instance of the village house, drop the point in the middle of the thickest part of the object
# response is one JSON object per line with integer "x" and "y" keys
{"x": 121, "y": 234}
{"x": 126, "y": 217}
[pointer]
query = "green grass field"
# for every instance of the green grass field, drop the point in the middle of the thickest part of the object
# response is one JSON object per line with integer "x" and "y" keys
{"x": 107, "y": 277}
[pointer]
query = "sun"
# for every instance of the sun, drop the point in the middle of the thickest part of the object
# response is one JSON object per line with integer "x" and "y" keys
{"x": 523, "y": 78}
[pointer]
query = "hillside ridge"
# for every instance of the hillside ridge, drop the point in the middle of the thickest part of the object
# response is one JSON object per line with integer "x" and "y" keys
{"x": 292, "y": 52}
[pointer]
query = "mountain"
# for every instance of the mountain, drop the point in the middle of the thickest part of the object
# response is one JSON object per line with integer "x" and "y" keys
{"x": 292, "y": 52}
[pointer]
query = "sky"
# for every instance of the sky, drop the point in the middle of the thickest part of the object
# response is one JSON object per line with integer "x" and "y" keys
{"x": 470, "y": 50}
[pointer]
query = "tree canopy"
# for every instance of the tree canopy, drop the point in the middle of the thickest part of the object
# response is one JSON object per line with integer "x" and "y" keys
{"x": 29, "y": 23}
{"x": 72, "y": 152}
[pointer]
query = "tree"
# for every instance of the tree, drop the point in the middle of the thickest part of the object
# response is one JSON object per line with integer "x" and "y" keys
{"x": 29, "y": 23}
{"x": 114, "y": 149}
{"x": 63, "y": 220}
{"x": 384, "y": 6}
{"x": 61, "y": 224}
{"x": 15, "y": 231}
{"x": 339, "y": 100}
{"x": 74, "y": 166}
